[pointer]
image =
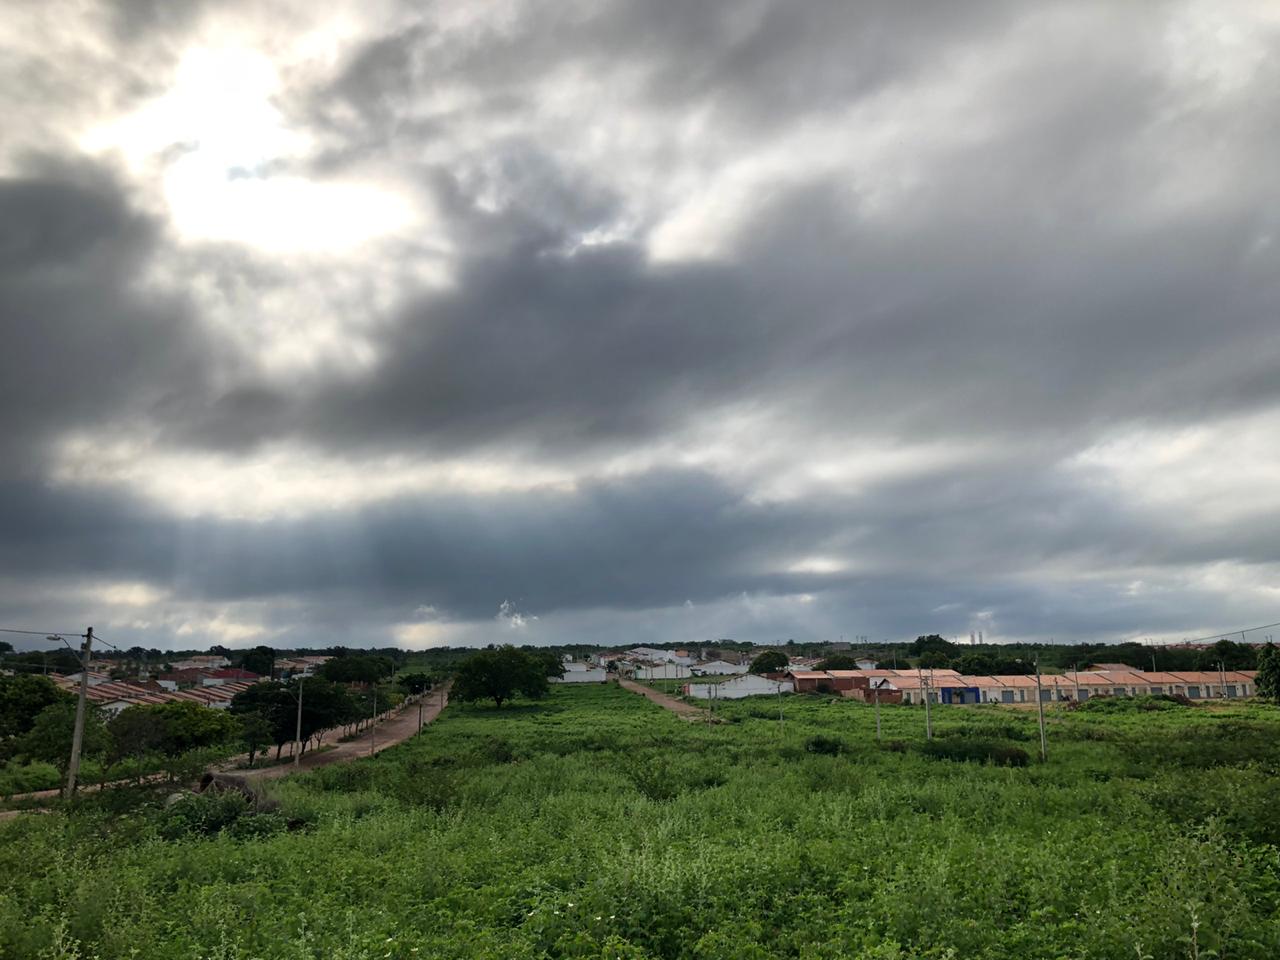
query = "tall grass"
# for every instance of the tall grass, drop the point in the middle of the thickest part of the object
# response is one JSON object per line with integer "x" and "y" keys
{"x": 595, "y": 824}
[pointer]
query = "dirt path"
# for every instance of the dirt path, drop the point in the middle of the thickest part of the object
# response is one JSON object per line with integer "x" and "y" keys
{"x": 678, "y": 707}
{"x": 400, "y": 727}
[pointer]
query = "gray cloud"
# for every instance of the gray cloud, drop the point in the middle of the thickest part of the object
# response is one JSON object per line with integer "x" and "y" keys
{"x": 1016, "y": 236}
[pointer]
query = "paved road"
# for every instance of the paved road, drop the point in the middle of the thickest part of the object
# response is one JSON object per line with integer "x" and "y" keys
{"x": 678, "y": 707}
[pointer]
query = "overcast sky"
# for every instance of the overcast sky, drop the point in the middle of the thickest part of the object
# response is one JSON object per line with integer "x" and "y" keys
{"x": 423, "y": 323}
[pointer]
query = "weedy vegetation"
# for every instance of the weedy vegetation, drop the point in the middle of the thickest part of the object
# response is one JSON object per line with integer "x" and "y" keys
{"x": 595, "y": 824}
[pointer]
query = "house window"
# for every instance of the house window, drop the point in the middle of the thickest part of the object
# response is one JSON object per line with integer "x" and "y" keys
{"x": 1231, "y": 690}
{"x": 1046, "y": 694}
{"x": 1006, "y": 696}
{"x": 1157, "y": 690}
{"x": 1193, "y": 693}
{"x": 1118, "y": 691}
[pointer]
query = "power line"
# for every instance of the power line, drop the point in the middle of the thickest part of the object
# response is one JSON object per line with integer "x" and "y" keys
{"x": 1231, "y": 633}
{"x": 41, "y": 633}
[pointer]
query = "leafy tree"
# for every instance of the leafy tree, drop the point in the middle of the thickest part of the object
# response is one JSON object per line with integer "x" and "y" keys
{"x": 134, "y": 733}
{"x": 986, "y": 664}
{"x": 49, "y": 738}
{"x": 932, "y": 642}
{"x": 499, "y": 674}
{"x": 5, "y": 647}
{"x": 187, "y": 726}
{"x": 838, "y": 661}
{"x": 1232, "y": 656}
{"x": 418, "y": 682}
{"x": 259, "y": 660}
{"x": 22, "y": 697}
{"x": 771, "y": 661}
{"x": 272, "y": 702}
{"x": 256, "y": 733}
{"x": 358, "y": 669}
{"x": 934, "y": 660}
{"x": 551, "y": 661}
{"x": 1268, "y": 679}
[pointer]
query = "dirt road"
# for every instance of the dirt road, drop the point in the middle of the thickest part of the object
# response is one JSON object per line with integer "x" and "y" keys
{"x": 678, "y": 707}
{"x": 400, "y": 727}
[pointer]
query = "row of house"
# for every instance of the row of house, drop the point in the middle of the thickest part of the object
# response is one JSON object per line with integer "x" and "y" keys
{"x": 949, "y": 686}
{"x": 113, "y": 696}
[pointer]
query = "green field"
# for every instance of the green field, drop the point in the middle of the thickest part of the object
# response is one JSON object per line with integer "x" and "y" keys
{"x": 594, "y": 824}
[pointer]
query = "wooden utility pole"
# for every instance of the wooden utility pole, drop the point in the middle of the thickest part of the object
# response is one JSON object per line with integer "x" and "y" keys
{"x": 877, "y": 699}
{"x": 373, "y": 725}
{"x": 1077, "y": 677}
{"x": 77, "y": 736}
{"x": 297, "y": 754}
{"x": 1044, "y": 755}
{"x": 420, "y": 711}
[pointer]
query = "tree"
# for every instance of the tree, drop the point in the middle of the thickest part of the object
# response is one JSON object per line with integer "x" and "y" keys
{"x": 5, "y": 647}
{"x": 272, "y": 702}
{"x": 838, "y": 661}
{"x": 134, "y": 733}
{"x": 360, "y": 669}
{"x": 22, "y": 697}
{"x": 186, "y": 726}
{"x": 1268, "y": 679}
{"x": 259, "y": 660}
{"x": 256, "y": 733}
{"x": 924, "y": 644}
{"x": 934, "y": 660}
{"x": 771, "y": 661}
{"x": 418, "y": 682}
{"x": 500, "y": 674}
{"x": 49, "y": 738}
{"x": 1228, "y": 653}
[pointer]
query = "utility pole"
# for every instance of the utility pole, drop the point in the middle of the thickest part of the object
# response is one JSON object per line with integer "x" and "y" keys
{"x": 877, "y": 699}
{"x": 778, "y": 688}
{"x": 1044, "y": 754}
{"x": 373, "y": 726}
{"x": 77, "y": 736}
{"x": 1222, "y": 679}
{"x": 924, "y": 691}
{"x": 1153, "y": 661}
{"x": 1076, "y": 672}
{"x": 420, "y": 712}
{"x": 297, "y": 754}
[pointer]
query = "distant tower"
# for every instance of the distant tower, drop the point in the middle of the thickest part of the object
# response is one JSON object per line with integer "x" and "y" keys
{"x": 980, "y": 640}
{"x": 973, "y": 638}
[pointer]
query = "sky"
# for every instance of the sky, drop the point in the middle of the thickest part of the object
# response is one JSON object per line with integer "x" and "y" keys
{"x": 377, "y": 323}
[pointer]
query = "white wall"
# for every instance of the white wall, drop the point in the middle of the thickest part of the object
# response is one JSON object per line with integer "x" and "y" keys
{"x": 745, "y": 686}
{"x": 590, "y": 675}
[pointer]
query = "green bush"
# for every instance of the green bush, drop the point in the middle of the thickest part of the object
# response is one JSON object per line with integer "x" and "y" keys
{"x": 976, "y": 751}
{"x": 830, "y": 746}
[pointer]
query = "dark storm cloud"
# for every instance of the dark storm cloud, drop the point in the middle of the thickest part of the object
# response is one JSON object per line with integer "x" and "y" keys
{"x": 1063, "y": 254}
{"x": 81, "y": 342}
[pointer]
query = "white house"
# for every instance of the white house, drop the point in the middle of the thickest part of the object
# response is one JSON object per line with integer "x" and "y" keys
{"x": 747, "y": 685}
{"x": 866, "y": 663}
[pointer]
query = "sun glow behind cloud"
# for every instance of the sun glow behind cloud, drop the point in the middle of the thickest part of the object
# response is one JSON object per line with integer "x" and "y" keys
{"x": 233, "y": 170}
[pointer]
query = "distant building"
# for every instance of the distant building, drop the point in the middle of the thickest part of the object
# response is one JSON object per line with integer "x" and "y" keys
{"x": 747, "y": 685}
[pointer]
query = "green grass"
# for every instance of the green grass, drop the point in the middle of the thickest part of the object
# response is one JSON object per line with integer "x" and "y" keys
{"x": 595, "y": 824}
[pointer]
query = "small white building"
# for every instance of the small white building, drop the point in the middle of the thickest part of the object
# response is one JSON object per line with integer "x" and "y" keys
{"x": 717, "y": 668}
{"x": 747, "y": 685}
{"x": 582, "y": 673}
{"x": 661, "y": 671}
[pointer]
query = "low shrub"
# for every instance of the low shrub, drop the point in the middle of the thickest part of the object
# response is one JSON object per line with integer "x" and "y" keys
{"x": 830, "y": 746}
{"x": 977, "y": 751}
